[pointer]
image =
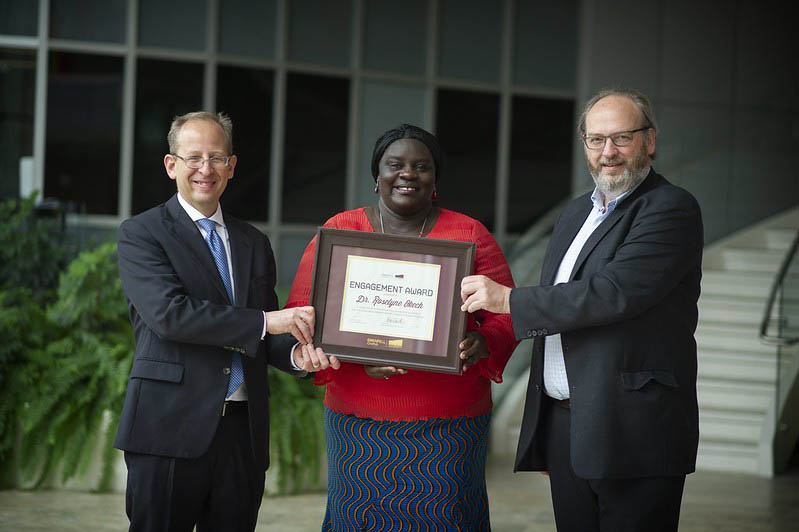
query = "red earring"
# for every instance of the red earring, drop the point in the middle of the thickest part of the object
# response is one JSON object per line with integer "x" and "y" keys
{"x": 434, "y": 197}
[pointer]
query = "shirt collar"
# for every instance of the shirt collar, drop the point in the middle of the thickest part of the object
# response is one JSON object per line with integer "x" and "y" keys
{"x": 195, "y": 215}
{"x": 596, "y": 198}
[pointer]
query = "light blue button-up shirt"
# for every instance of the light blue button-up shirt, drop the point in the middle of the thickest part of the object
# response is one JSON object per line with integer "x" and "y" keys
{"x": 556, "y": 382}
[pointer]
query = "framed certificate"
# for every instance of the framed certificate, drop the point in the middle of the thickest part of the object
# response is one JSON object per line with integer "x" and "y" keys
{"x": 390, "y": 300}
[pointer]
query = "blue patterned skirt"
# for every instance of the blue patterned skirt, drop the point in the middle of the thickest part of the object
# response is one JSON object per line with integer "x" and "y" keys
{"x": 392, "y": 476}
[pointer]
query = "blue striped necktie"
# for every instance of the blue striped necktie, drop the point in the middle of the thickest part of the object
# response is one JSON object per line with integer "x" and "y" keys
{"x": 220, "y": 258}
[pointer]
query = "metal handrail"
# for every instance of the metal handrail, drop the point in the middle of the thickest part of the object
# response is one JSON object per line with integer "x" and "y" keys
{"x": 772, "y": 298}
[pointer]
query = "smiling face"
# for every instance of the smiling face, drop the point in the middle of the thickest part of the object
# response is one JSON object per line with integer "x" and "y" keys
{"x": 407, "y": 177}
{"x": 201, "y": 187}
{"x": 617, "y": 169}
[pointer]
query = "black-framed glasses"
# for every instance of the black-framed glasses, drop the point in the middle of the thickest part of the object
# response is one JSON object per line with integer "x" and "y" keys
{"x": 620, "y": 139}
{"x": 195, "y": 162}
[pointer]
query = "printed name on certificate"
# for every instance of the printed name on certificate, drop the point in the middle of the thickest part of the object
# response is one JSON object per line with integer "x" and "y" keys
{"x": 389, "y": 297}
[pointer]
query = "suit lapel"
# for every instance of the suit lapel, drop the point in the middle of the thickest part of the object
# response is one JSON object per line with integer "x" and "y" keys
{"x": 241, "y": 249}
{"x": 567, "y": 229}
{"x": 187, "y": 233}
{"x": 608, "y": 223}
{"x": 596, "y": 236}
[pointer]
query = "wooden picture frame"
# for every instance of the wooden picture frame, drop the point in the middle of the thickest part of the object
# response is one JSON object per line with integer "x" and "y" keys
{"x": 390, "y": 300}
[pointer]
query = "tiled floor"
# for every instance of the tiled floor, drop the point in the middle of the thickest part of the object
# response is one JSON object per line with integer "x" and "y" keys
{"x": 713, "y": 502}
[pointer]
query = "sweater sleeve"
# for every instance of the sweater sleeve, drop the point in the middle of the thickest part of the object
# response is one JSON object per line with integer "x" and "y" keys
{"x": 301, "y": 289}
{"x": 497, "y": 329}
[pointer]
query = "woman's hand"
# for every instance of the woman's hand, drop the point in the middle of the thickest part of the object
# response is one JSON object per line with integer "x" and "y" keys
{"x": 473, "y": 347}
{"x": 311, "y": 359}
{"x": 383, "y": 372}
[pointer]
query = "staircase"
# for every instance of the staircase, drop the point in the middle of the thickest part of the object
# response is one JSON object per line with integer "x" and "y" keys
{"x": 737, "y": 372}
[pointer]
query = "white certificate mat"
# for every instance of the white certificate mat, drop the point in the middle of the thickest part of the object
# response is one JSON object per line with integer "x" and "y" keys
{"x": 390, "y": 297}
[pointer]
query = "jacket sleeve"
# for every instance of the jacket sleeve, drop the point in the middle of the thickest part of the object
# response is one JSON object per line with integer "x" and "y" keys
{"x": 300, "y": 292}
{"x": 164, "y": 304}
{"x": 497, "y": 329}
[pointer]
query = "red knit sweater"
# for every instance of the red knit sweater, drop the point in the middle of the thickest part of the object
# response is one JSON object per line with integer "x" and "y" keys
{"x": 421, "y": 394}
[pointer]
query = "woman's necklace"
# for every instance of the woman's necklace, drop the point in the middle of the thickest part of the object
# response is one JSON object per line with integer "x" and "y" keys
{"x": 379, "y": 212}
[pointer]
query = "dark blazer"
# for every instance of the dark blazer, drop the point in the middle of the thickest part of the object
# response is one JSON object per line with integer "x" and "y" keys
{"x": 627, "y": 319}
{"x": 185, "y": 331}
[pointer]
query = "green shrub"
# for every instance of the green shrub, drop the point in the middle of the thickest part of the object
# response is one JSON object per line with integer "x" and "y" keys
{"x": 31, "y": 249}
{"x": 297, "y": 433}
{"x": 31, "y": 256}
{"x": 82, "y": 374}
{"x": 66, "y": 348}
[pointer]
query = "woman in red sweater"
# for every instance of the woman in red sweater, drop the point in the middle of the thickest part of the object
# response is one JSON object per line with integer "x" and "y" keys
{"x": 407, "y": 448}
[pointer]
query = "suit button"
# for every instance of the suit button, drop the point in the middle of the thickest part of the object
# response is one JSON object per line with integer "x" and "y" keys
{"x": 543, "y": 332}
{"x": 535, "y": 333}
{"x": 530, "y": 334}
{"x": 538, "y": 387}
{"x": 226, "y": 371}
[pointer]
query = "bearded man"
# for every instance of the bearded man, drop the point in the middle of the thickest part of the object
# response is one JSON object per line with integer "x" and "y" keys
{"x": 611, "y": 410}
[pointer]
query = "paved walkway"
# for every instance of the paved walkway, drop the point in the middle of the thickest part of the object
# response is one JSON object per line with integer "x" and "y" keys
{"x": 713, "y": 502}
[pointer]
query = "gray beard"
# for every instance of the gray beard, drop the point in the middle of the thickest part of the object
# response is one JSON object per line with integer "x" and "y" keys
{"x": 615, "y": 186}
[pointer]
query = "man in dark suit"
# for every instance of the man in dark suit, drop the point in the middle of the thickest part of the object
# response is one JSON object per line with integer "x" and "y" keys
{"x": 611, "y": 410}
{"x": 200, "y": 287}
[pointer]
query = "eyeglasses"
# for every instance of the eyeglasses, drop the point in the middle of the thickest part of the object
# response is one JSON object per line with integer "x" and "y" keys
{"x": 195, "y": 162}
{"x": 620, "y": 139}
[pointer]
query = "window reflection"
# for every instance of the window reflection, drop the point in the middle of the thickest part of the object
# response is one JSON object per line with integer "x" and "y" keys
{"x": 315, "y": 160}
{"x": 89, "y": 20}
{"x": 17, "y": 79}
{"x": 542, "y": 132}
{"x": 84, "y": 94}
{"x": 247, "y": 27}
{"x": 319, "y": 31}
{"x": 179, "y": 24}
{"x": 470, "y": 39}
{"x": 467, "y": 126}
{"x": 19, "y": 18}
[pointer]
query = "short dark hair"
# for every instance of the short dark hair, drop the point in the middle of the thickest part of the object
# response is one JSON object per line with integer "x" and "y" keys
{"x": 407, "y": 131}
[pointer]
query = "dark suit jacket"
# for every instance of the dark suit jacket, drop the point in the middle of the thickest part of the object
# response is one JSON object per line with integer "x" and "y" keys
{"x": 186, "y": 330}
{"x": 627, "y": 320}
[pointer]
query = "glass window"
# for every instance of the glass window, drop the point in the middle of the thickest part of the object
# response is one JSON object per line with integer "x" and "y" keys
{"x": 175, "y": 24}
{"x": 470, "y": 42}
{"x": 247, "y": 27}
{"x": 469, "y": 140}
{"x": 384, "y": 106}
{"x": 245, "y": 95}
{"x": 164, "y": 89}
{"x": 89, "y": 20}
{"x": 17, "y": 81}
{"x": 545, "y": 47}
{"x": 542, "y": 136}
{"x": 19, "y": 18}
{"x": 319, "y": 31}
{"x": 395, "y": 36}
{"x": 84, "y": 114}
{"x": 315, "y": 152}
